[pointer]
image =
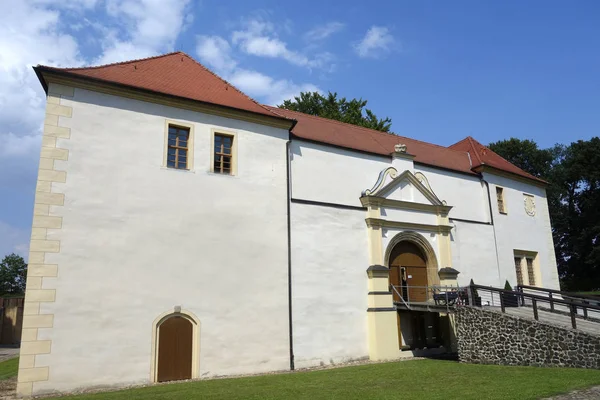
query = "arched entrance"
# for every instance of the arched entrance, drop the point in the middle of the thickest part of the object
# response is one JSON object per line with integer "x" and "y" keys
{"x": 175, "y": 342}
{"x": 175, "y": 346}
{"x": 408, "y": 271}
{"x": 411, "y": 249}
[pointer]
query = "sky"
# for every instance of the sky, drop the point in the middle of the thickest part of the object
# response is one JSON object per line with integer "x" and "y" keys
{"x": 440, "y": 70}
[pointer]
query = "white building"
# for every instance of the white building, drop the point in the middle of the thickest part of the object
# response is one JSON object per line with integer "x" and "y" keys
{"x": 182, "y": 230}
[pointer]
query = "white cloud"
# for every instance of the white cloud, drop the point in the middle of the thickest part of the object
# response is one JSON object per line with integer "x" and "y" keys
{"x": 271, "y": 91}
{"x": 259, "y": 38}
{"x": 377, "y": 42}
{"x": 215, "y": 53}
{"x": 144, "y": 28}
{"x": 324, "y": 31}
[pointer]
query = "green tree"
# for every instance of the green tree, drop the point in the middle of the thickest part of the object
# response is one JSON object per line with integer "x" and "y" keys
{"x": 13, "y": 271}
{"x": 526, "y": 155}
{"x": 330, "y": 106}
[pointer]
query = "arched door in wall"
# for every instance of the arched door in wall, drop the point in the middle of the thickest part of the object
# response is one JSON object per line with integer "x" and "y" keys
{"x": 175, "y": 339}
{"x": 408, "y": 271}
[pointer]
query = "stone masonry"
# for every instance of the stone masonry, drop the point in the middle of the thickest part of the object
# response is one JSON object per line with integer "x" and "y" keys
{"x": 491, "y": 337}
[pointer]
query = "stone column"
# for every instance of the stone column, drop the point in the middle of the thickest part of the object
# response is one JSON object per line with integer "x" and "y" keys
{"x": 382, "y": 316}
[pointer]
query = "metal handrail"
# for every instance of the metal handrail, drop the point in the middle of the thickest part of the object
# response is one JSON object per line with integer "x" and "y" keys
{"x": 562, "y": 293}
{"x": 572, "y": 305}
{"x": 400, "y": 295}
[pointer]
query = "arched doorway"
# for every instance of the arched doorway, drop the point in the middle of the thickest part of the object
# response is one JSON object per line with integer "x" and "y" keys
{"x": 175, "y": 349}
{"x": 408, "y": 271}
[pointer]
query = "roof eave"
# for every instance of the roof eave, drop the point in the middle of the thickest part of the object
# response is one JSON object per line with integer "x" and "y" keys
{"x": 38, "y": 72}
{"x": 42, "y": 71}
{"x": 488, "y": 168}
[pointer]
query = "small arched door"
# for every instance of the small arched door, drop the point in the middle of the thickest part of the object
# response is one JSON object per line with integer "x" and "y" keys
{"x": 408, "y": 270}
{"x": 175, "y": 343}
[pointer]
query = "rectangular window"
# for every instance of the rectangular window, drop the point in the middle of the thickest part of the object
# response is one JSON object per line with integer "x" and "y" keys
{"x": 500, "y": 197}
{"x": 518, "y": 270}
{"x": 177, "y": 147}
{"x": 223, "y": 156}
{"x": 530, "y": 272}
{"x": 526, "y": 267}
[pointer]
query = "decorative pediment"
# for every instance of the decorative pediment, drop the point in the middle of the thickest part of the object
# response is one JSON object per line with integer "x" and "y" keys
{"x": 404, "y": 187}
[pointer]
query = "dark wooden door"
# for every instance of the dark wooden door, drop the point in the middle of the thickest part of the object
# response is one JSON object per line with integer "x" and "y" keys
{"x": 416, "y": 280}
{"x": 175, "y": 350}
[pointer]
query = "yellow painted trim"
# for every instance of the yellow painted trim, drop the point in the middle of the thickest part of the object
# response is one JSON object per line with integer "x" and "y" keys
{"x": 29, "y": 369}
{"x": 195, "y": 345}
{"x": 374, "y": 238}
{"x": 158, "y": 98}
{"x": 534, "y": 255}
{"x": 191, "y": 141}
{"x": 377, "y": 201}
{"x": 378, "y": 222}
{"x": 234, "y": 149}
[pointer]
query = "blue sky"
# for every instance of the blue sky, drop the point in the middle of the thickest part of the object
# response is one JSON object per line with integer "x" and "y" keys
{"x": 440, "y": 70}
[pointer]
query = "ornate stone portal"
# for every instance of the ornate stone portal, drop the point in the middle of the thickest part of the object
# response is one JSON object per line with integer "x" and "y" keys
{"x": 405, "y": 203}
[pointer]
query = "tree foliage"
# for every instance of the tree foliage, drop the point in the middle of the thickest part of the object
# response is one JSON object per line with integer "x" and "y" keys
{"x": 330, "y": 106}
{"x": 573, "y": 172}
{"x": 13, "y": 272}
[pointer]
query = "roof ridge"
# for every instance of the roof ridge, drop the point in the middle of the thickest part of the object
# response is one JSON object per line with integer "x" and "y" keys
{"x": 120, "y": 62}
{"x": 233, "y": 86}
{"x": 471, "y": 140}
{"x": 335, "y": 121}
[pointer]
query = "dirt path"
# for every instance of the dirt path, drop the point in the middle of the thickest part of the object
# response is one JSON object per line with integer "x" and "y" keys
{"x": 592, "y": 393}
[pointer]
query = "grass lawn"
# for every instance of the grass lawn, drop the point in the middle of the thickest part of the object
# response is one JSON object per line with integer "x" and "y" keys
{"x": 418, "y": 379}
{"x": 9, "y": 368}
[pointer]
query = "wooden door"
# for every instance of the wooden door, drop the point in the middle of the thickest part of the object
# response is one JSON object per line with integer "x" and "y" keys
{"x": 175, "y": 350}
{"x": 416, "y": 280}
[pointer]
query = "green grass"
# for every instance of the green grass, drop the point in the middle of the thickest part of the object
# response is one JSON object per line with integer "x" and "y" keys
{"x": 9, "y": 368}
{"x": 419, "y": 379}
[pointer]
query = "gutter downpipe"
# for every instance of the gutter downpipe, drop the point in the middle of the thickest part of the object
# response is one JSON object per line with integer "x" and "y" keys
{"x": 489, "y": 196}
{"x": 289, "y": 241}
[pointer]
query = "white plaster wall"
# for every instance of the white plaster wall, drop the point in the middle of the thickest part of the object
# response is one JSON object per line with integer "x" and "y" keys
{"x": 329, "y": 284}
{"x": 474, "y": 253}
{"x": 138, "y": 240}
{"x": 466, "y": 194}
{"x": 331, "y": 175}
{"x": 518, "y": 231}
{"x": 412, "y": 216}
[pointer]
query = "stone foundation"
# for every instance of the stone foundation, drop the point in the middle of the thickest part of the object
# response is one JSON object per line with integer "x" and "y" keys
{"x": 490, "y": 337}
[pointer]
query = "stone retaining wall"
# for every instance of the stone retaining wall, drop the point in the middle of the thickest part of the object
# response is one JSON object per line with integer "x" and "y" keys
{"x": 490, "y": 337}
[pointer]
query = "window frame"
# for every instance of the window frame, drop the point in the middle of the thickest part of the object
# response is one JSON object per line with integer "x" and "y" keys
{"x": 233, "y": 170}
{"x": 501, "y": 198}
{"x": 527, "y": 272}
{"x": 190, "y": 144}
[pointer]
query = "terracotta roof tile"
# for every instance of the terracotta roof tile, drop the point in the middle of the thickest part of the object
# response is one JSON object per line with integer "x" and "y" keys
{"x": 369, "y": 140}
{"x": 482, "y": 155}
{"x": 174, "y": 74}
{"x": 178, "y": 74}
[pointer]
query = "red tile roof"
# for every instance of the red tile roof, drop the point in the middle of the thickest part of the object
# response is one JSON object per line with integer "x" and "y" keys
{"x": 482, "y": 156}
{"x": 175, "y": 74}
{"x": 178, "y": 74}
{"x": 354, "y": 137}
